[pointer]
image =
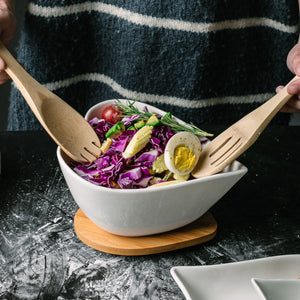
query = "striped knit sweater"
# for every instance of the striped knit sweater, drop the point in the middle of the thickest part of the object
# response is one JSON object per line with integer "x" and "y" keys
{"x": 205, "y": 61}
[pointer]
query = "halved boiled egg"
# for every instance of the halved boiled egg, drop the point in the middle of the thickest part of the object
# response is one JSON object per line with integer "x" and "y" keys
{"x": 182, "y": 152}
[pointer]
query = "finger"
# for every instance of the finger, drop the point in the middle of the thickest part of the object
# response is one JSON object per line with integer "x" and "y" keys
{"x": 3, "y": 77}
{"x": 294, "y": 87}
{"x": 279, "y": 88}
{"x": 294, "y": 103}
{"x": 296, "y": 63}
{"x": 287, "y": 109}
{"x": 292, "y": 106}
{"x": 2, "y": 64}
{"x": 293, "y": 60}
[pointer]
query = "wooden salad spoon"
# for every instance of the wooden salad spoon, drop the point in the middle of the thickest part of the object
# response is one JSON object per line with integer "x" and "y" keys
{"x": 235, "y": 140}
{"x": 65, "y": 125}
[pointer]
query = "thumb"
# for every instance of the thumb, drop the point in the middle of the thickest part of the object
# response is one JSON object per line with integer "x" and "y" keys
{"x": 293, "y": 60}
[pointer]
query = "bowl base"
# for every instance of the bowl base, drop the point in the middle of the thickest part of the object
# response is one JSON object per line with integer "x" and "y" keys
{"x": 200, "y": 231}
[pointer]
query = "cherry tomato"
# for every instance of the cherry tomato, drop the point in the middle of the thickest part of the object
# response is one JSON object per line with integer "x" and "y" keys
{"x": 111, "y": 114}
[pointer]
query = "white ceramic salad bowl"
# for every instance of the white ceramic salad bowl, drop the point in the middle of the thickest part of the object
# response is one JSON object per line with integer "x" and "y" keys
{"x": 138, "y": 212}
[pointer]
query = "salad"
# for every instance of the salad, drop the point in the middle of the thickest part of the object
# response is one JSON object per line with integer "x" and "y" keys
{"x": 140, "y": 149}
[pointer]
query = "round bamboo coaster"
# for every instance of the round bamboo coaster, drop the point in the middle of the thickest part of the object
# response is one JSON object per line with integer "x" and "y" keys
{"x": 200, "y": 231}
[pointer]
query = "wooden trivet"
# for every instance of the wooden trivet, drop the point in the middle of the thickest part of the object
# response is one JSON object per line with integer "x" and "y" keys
{"x": 200, "y": 231}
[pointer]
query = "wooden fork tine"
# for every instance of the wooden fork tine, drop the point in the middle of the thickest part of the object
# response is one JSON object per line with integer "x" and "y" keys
{"x": 220, "y": 144}
{"x": 227, "y": 154}
{"x": 88, "y": 154}
{"x": 216, "y": 152}
{"x": 229, "y": 147}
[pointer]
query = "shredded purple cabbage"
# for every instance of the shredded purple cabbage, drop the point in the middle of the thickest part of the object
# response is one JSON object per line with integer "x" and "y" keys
{"x": 112, "y": 170}
{"x": 101, "y": 127}
{"x": 128, "y": 121}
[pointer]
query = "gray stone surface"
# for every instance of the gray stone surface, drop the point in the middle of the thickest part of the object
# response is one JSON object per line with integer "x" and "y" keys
{"x": 42, "y": 258}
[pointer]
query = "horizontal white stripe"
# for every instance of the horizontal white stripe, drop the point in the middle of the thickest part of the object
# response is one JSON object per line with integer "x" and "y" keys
{"x": 157, "y": 99}
{"x": 139, "y": 19}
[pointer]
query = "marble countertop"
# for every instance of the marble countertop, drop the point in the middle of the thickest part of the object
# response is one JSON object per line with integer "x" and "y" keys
{"x": 42, "y": 258}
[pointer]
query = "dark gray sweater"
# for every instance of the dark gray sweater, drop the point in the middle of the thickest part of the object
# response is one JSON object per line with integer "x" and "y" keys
{"x": 205, "y": 61}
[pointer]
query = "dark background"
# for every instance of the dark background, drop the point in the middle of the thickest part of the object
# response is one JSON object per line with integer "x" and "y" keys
{"x": 5, "y": 89}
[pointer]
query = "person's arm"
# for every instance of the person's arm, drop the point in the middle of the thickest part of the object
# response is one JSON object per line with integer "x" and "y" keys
{"x": 8, "y": 27}
{"x": 293, "y": 63}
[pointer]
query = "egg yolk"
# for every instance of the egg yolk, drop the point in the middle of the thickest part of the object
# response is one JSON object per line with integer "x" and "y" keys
{"x": 184, "y": 158}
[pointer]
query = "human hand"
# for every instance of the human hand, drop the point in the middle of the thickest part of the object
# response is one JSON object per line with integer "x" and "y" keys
{"x": 293, "y": 63}
{"x": 8, "y": 27}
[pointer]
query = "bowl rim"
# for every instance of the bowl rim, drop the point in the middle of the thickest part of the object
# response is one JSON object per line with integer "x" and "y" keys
{"x": 241, "y": 170}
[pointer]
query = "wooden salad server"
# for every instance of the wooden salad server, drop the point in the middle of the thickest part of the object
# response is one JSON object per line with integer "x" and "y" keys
{"x": 235, "y": 140}
{"x": 65, "y": 125}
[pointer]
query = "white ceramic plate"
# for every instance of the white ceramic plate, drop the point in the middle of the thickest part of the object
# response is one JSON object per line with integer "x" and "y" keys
{"x": 233, "y": 281}
{"x": 277, "y": 289}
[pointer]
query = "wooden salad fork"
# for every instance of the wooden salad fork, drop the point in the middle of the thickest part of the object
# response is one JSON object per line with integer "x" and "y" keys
{"x": 65, "y": 125}
{"x": 235, "y": 140}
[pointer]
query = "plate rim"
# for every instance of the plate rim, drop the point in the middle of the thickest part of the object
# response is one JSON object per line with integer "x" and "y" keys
{"x": 176, "y": 276}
